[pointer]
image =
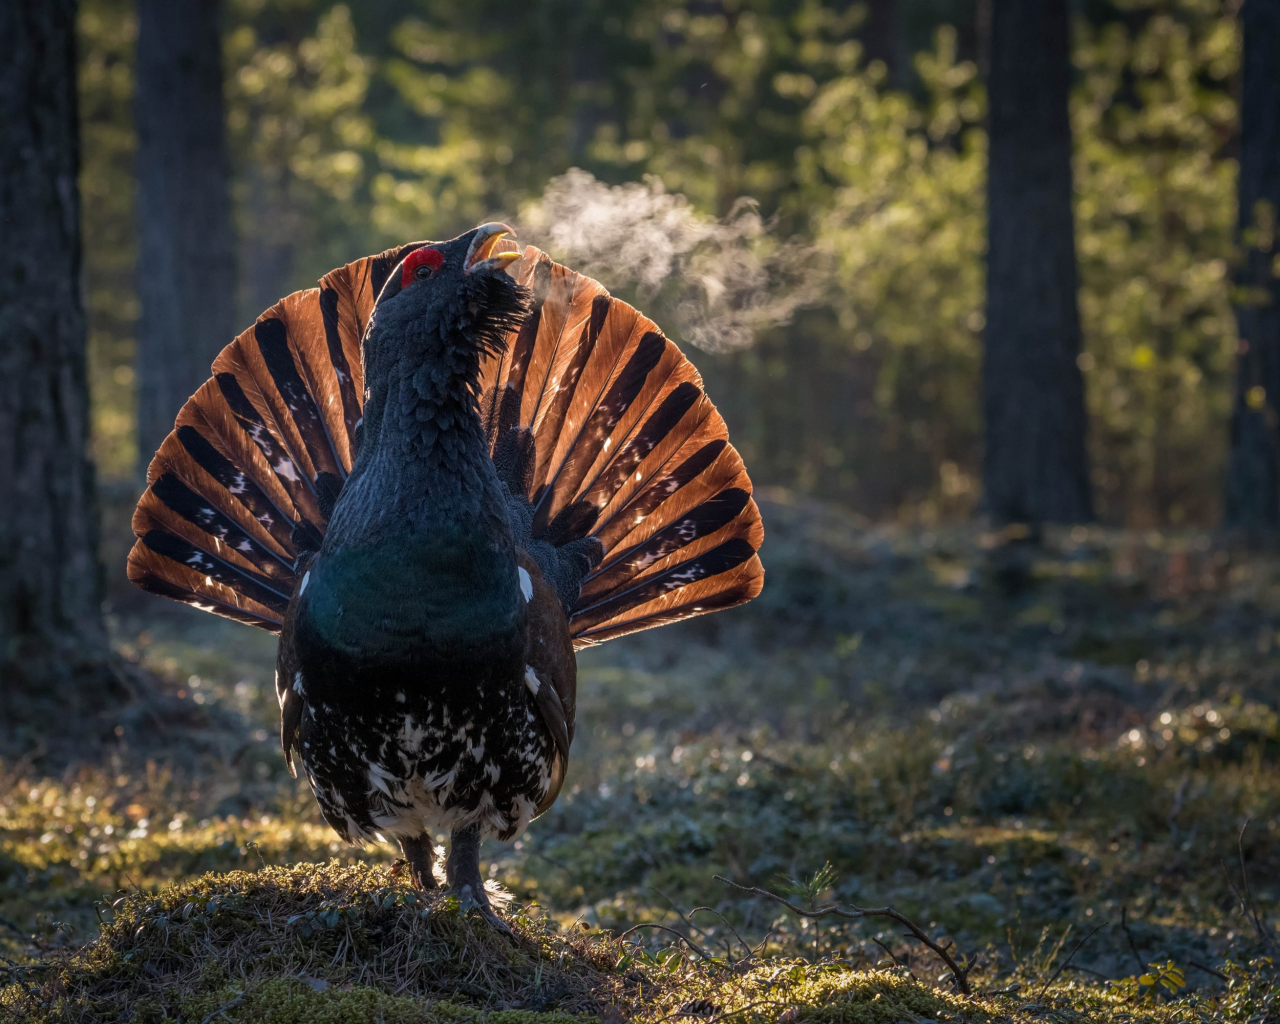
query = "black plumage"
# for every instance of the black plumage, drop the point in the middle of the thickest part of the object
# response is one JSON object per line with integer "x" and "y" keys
{"x": 435, "y": 476}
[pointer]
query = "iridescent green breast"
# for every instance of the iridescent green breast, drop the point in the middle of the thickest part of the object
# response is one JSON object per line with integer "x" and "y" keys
{"x": 436, "y": 594}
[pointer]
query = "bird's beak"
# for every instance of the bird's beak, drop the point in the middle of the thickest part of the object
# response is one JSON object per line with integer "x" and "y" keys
{"x": 492, "y": 248}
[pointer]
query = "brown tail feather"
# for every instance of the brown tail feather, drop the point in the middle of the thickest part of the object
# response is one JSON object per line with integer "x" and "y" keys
{"x": 623, "y": 446}
{"x": 625, "y": 440}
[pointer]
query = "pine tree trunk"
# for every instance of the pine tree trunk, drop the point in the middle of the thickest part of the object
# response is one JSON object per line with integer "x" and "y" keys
{"x": 882, "y": 40}
{"x": 1036, "y": 470}
{"x": 51, "y": 627}
{"x": 1253, "y": 474}
{"x": 186, "y": 272}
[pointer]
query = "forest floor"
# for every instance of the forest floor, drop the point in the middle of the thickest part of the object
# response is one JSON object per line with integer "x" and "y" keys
{"x": 1064, "y": 759}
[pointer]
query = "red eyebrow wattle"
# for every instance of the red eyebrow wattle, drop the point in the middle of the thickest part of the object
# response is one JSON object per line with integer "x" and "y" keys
{"x": 433, "y": 258}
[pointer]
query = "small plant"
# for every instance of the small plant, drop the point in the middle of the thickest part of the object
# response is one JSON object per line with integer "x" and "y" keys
{"x": 811, "y": 888}
{"x": 1147, "y": 987}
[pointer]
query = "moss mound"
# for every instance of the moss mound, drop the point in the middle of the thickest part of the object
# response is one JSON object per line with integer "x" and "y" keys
{"x": 353, "y": 944}
{"x": 310, "y": 941}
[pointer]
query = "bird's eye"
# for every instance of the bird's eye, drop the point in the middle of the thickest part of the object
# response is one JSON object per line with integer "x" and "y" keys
{"x": 420, "y": 265}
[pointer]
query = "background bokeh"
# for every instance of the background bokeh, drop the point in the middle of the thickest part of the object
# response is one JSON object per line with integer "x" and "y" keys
{"x": 354, "y": 127}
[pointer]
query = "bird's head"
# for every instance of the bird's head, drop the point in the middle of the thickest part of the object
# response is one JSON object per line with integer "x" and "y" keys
{"x": 454, "y": 297}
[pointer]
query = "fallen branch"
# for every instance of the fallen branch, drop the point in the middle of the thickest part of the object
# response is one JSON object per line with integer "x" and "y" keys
{"x": 959, "y": 974}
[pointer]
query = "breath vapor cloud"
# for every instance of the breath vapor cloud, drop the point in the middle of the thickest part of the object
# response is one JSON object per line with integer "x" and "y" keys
{"x": 713, "y": 283}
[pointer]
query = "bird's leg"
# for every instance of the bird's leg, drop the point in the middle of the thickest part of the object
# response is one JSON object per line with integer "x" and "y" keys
{"x": 462, "y": 869}
{"x": 420, "y": 855}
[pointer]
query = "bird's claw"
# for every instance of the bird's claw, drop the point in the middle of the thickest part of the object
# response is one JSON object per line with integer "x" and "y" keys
{"x": 470, "y": 900}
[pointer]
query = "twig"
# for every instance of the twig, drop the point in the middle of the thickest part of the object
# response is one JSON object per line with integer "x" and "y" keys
{"x": 687, "y": 919}
{"x": 664, "y": 928}
{"x": 1067, "y": 962}
{"x": 960, "y": 974}
{"x": 743, "y": 1009}
{"x": 892, "y": 955}
{"x": 722, "y": 1016}
{"x": 237, "y": 1001}
{"x": 1124, "y": 923}
{"x": 1245, "y": 899}
{"x": 725, "y": 920}
{"x": 1251, "y": 908}
{"x": 1007, "y": 991}
{"x": 1207, "y": 970}
{"x": 1086, "y": 970}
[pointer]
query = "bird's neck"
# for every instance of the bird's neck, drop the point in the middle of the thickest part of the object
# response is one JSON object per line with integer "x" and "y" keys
{"x": 423, "y": 451}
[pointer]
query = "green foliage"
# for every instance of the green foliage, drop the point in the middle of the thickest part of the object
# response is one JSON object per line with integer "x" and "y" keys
{"x": 1154, "y": 116}
{"x": 354, "y": 127}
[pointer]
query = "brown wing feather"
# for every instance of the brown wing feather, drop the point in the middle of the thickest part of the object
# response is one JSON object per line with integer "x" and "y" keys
{"x": 550, "y": 655}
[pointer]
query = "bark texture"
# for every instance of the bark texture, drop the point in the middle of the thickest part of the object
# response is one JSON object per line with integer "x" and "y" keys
{"x": 51, "y": 626}
{"x": 1253, "y": 474}
{"x": 186, "y": 273}
{"x": 1036, "y": 469}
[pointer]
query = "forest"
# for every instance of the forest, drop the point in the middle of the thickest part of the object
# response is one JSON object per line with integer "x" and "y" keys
{"x": 987, "y": 293}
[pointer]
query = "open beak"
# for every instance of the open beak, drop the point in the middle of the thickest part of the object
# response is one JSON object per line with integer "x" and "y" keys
{"x": 492, "y": 247}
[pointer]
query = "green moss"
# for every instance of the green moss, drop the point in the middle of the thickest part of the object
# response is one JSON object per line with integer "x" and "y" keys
{"x": 828, "y": 993}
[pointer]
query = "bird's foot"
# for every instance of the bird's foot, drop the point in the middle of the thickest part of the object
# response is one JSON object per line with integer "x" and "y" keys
{"x": 462, "y": 869}
{"x": 474, "y": 897}
{"x": 419, "y": 857}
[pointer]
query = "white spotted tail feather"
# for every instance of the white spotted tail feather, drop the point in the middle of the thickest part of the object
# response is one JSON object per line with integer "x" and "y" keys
{"x": 618, "y": 441}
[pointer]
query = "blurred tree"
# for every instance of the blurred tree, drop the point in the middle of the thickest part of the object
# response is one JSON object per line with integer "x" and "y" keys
{"x": 51, "y": 627}
{"x": 1253, "y": 481}
{"x": 1154, "y": 122}
{"x": 883, "y": 39}
{"x": 1035, "y": 466}
{"x": 107, "y": 31}
{"x": 186, "y": 279}
{"x": 904, "y": 219}
{"x": 304, "y": 146}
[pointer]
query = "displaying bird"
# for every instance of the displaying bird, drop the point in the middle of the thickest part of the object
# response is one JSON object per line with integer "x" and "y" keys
{"x": 435, "y": 476}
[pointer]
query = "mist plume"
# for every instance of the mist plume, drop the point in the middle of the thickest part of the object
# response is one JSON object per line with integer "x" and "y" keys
{"x": 713, "y": 283}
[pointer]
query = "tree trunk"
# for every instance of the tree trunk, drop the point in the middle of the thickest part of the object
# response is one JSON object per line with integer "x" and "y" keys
{"x": 882, "y": 40}
{"x": 1036, "y": 470}
{"x": 51, "y": 627}
{"x": 186, "y": 273}
{"x": 1253, "y": 472}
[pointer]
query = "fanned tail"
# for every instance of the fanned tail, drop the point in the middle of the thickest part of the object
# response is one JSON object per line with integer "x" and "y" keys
{"x": 240, "y": 492}
{"x": 592, "y": 415}
{"x": 603, "y": 424}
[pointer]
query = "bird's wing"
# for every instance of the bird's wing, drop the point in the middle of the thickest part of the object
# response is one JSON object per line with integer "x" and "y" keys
{"x": 551, "y": 672}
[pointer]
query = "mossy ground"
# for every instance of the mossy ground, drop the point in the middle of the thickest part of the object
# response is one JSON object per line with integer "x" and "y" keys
{"x": 1017, "y": 755}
